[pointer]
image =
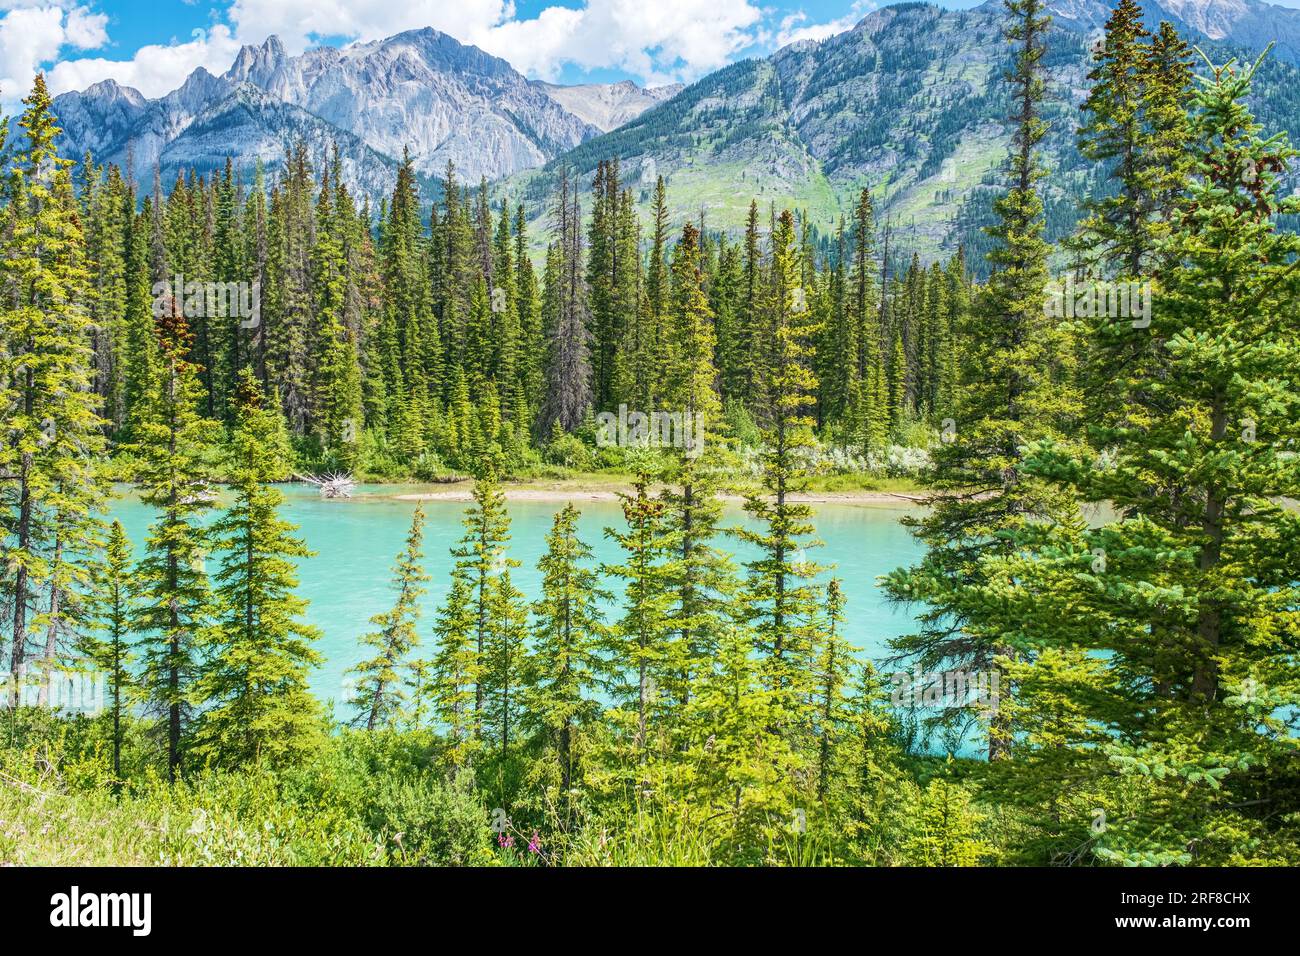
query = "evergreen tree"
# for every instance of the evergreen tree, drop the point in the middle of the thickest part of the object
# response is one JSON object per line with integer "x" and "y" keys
{"x": 742, "y": 770}
{"x": 455, "y": 670}
{"x": 699, "y": 576}
{"x": 379, "y": 690}
{"x": 1013, "y": 389}
{"x": 175, "y": 609}
{"x": 642, "y": 658}
{"x": 780, "y": 599}
{"x": 568, "y": 361}
{"x": 53, "y": 438}
{"x": 109, "y": 646}
{"x": 336, "y": 405}
{"x": 502, "y": 665}
{"x": 481, "y": 556}
{"x": 561, "y": 702}
{"x": 834, "y": 658}
{"x": 1166, "y": 628}
{"x": 1113, "y": 133}
{"x": 254, "y": 682}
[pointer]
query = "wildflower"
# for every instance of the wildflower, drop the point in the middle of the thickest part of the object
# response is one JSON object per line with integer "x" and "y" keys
{"x": 505, "y": 840}
{"x": 534, "y": 843}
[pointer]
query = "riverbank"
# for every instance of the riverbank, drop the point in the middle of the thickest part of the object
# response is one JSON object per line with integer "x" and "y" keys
{"x": 586, "y": 489}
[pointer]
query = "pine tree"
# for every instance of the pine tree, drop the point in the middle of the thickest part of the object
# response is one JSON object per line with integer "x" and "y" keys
{"x": 948, "y": 828}
{"x": 1013, "y": 389}
{"x": 455, "y": 670}
{"x": 481, "y": 556}
{"x": 53, "y": 436}
{"x": 254, "y": 682}
{"x": 642, "y": 658}
{"x": 114, "y": 599}
{"x": 699, "y": 576}
{"x": 1115, "y": 230}
{"x": 379, "y": 692}
{"x": 140, "y": 359}
{"x": 528, "y": 308}
{"x": 175, "y": 611}
{"x": 568, "y": 353}
{"x": 502, "y": 667}
{"x": 657, "y": 293}
{"x": 561, "y": 703}
{"x": 834, "y": 659}
{"x": 752, "y": 342}
{"x": 780, "y": 600}
{"x": 872, "y": 799}
{"x": 1168, "y": 625}
{"x": 1167, "y": 156}
{"x": 741, "y": 769}
{"x": 336, "y": 369}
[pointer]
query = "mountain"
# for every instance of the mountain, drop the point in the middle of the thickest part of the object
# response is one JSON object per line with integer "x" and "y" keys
{"x": 424, "y": 91}
{"x": 607, "y": 106}
{"x": 909, "y": 103}
{"x": 883, "y": 105}
{"x": 251, "y": 126}
{"x": 1249, "y": 24}
{"x": 420, "y": 90}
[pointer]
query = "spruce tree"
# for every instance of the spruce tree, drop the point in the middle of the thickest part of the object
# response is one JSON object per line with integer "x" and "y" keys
{"x": 108, "y": 645}
{"x": 561, "y": 698}
{"x": 455, "y": 671}
{"x": 831, "y": 714}
{"x": 336, "y": 371}
{"x": 700, "y": 577}
{"x": 256, "y": 705}
{"x": 502, "y": 666}
{"x": 1115, "y": 231}
{"x": 53, "y": 438}
{"x": 1167, "y": 628}
{"x": 175, "y": 610}
{"x": 481, "y": 557}
{"x": 379, "y": 690}
{"x": 780, "y": 598}
{"x": 1013, "y": 388}
{"x": 642, "y": 658}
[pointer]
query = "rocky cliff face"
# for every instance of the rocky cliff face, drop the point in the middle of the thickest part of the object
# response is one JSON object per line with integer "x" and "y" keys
{"x": 420, "y": 92}
{"x": 608, "y": 106}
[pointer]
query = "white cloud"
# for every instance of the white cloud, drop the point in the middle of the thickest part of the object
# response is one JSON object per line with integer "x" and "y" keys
{"x": 155, "y": 70}
{"x": 655, "y": 41}
{"x": 795, "y": 26}
{"x": 298, "y": 22}
{"x": 85, "y": 29}
{"x": 33, "y": 34}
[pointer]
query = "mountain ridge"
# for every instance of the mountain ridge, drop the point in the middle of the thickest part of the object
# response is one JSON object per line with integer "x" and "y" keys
{"x": 420, "y": 90}
{"x": 908, "y": 102}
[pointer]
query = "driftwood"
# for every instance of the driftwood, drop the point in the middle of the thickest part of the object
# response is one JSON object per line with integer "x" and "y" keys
{"x": 331, "y": 486}
{"x": 202, "y": 493}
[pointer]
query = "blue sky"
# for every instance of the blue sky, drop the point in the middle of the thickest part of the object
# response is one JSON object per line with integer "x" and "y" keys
{"x": 154, "y": 44}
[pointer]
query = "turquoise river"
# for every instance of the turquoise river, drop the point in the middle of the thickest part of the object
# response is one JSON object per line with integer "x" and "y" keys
{"x": 356, "y": 540}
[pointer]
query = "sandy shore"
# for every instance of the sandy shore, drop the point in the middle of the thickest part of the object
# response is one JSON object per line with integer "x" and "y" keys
{"x": 461, "y": 492}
